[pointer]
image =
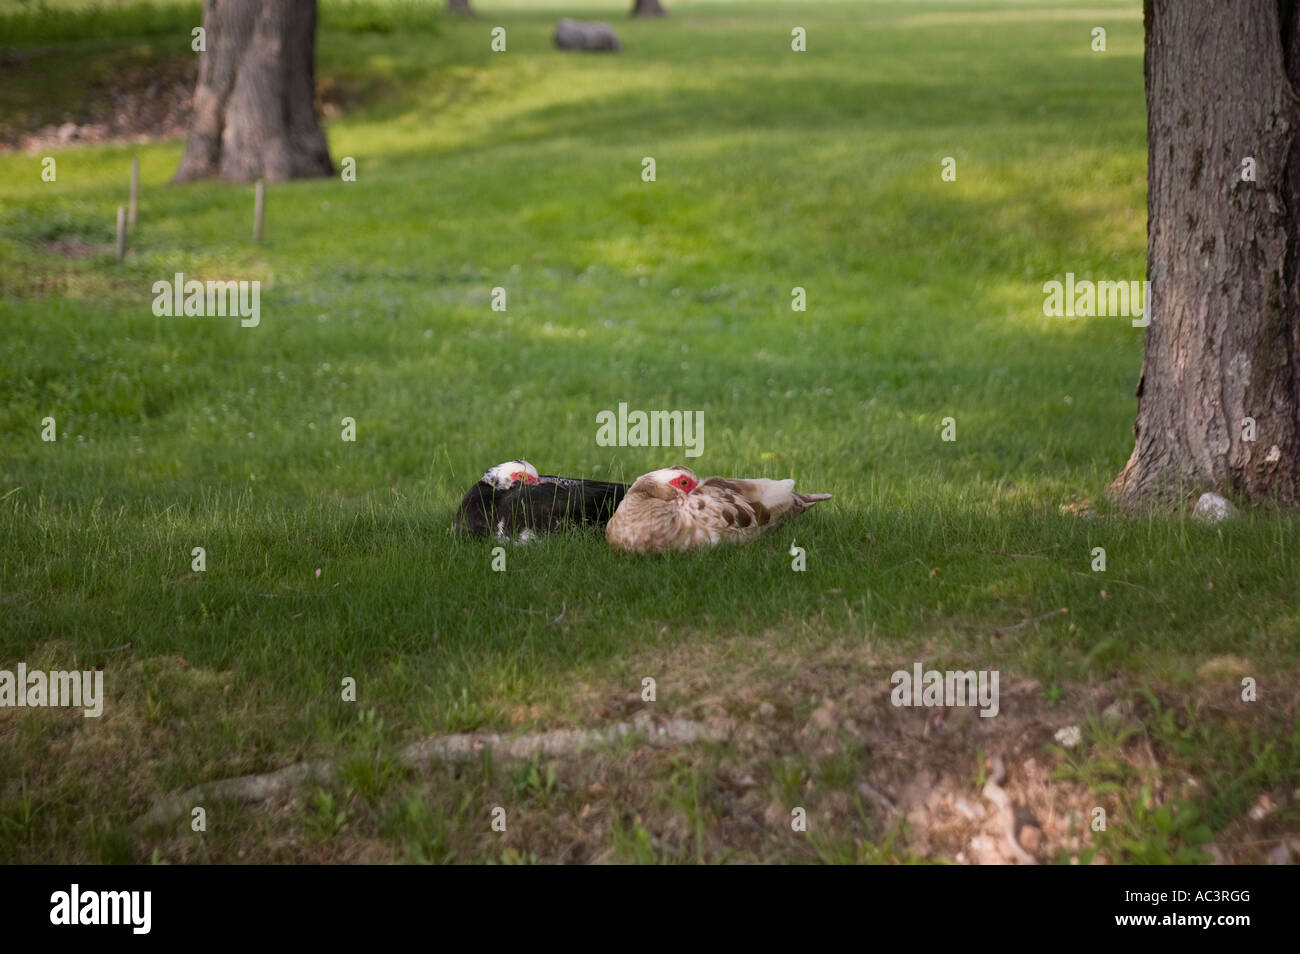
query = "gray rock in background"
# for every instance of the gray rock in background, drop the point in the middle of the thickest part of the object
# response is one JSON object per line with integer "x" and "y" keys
{"x": 586, "y": 35}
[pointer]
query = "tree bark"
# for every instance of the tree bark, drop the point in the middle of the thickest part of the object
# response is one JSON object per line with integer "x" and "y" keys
{"x": 648, "y": 8}
{"x": 460, "y": 8}
{"x": 255, "y": 101}
{"x": 1223, "y": 255}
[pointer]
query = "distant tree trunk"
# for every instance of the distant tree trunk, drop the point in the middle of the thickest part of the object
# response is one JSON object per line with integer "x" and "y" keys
{"x": 460, "y": 8}
{"x": 648, "y": 8}
{"x": 255, "y": 102}
{"x": 1223, "y": 254}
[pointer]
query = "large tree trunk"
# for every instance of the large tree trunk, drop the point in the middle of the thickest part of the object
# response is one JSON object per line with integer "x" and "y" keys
{"x": 255, "y": 102}
{"x": 648, "y": 8}
{"x": 1223, "y": 255}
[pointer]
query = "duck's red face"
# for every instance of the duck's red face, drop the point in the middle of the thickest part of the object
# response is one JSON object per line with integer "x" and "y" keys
{"x": 683, "y": 483}
{"x": 524, "y": 476}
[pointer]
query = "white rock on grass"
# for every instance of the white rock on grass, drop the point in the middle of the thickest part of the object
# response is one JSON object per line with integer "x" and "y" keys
{"x": 1212, "y": 508}
{"x": 1070, "y": 736}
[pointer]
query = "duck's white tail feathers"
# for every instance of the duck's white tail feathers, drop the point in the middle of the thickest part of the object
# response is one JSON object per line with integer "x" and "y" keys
{"x": 773, "y": 494}
{"x": 779, "y": 496}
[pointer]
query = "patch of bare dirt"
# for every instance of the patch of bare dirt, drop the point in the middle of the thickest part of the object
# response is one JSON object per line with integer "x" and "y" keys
{"x": 134, "y": 105}
{"x": 72, "y": 248}
{"x": 924, "y": 769}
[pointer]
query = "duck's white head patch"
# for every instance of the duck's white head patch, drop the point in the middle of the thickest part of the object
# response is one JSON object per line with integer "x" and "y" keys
{"x": 504, "y": 476}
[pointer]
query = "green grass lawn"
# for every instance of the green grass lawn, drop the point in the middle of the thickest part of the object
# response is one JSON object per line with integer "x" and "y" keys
{"x": 522, "y": 170}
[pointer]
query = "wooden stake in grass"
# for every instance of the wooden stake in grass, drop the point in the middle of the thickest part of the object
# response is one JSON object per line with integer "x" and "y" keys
{"x": 121, "y": 232}
{"x": 259, "y": 210}
{"x": 135, "y": 194}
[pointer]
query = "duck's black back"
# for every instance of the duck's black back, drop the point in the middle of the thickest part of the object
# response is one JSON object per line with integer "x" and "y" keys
{"x": 477, "y": 514}
{"x": 551, "y": 504}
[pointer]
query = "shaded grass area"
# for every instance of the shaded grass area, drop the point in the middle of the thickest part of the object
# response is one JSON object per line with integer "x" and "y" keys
{"x": 523, "y": 171}
{"x": 77, "y": 62}
{"x": 40, "y": 23}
